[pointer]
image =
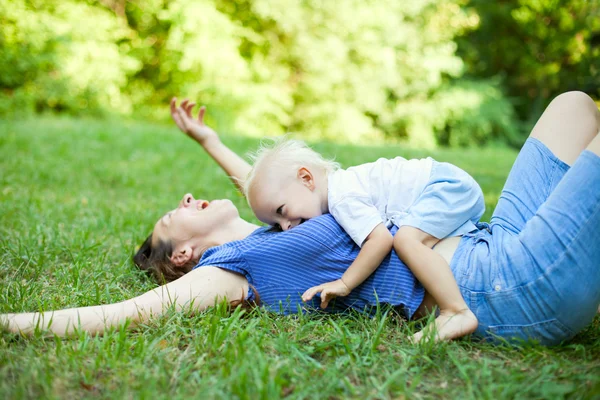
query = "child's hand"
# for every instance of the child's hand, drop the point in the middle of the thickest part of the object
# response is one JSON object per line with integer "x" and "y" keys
{"x": 329, "y": 291}
{"x": 194, "y": 128}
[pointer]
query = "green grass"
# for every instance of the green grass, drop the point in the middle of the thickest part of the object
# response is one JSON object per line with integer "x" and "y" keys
{"x": 78, "y": 196}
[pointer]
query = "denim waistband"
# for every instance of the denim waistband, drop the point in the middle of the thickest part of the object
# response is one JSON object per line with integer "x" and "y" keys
{"x": 483, "y": 228}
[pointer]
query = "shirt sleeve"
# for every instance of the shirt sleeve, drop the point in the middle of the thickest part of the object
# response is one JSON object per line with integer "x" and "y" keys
{"x": 229, "y": 258}
{"x": 357, "y": 215}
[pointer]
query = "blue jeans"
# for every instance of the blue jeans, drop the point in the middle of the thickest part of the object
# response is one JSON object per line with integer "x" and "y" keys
{"x": 534, "y": 271}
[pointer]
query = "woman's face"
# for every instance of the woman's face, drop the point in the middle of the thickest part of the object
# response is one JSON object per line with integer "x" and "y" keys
{"x": 194, "y": 220}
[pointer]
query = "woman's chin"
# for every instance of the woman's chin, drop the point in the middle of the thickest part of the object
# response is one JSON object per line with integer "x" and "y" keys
{"x": 224, "y": 207}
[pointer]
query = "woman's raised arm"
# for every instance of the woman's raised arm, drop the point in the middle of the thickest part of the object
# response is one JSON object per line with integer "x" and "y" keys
{"x": 199, "y": 289}
{"x": 235, "y": 166}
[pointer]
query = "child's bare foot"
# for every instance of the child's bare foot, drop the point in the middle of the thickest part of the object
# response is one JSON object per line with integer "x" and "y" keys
{"x": 449, "y": 325}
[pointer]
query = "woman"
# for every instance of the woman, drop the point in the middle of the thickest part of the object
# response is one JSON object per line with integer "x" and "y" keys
{"x": 531, "y": 273}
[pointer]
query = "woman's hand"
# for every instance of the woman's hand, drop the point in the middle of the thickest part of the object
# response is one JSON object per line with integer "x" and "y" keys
{"x": 234, "y": 166}
{"x": 329, "y": 291}
{"x": 194, "y": 128}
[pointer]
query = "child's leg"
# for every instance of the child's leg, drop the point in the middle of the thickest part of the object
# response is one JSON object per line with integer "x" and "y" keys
{"x": 414, "y": 247}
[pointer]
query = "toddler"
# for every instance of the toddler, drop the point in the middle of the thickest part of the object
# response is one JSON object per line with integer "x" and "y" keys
{"x": 427, "y": 200}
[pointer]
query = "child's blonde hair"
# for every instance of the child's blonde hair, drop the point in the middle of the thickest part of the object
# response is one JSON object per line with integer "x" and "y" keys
{"x": 287, "y": 156}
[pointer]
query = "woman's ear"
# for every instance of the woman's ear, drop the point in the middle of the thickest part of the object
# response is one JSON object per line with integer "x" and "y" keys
{"x": 306, "y": 178}
{"x": 181, "y": 256}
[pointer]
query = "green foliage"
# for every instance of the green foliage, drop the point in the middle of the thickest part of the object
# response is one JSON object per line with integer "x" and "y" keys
{"x": 315, "y": 67}
{"x": 347, "y": 71}
{"x": 473, "y": 112}
{"x": 540, "y": 48}
{"x": 63, "y": 56}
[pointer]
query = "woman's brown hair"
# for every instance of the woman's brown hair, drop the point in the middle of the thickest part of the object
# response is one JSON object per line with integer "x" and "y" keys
{"x": 156, "y": 261}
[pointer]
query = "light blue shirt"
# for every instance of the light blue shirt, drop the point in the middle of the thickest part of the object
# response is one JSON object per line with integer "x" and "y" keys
{"x": 366, "y": 195}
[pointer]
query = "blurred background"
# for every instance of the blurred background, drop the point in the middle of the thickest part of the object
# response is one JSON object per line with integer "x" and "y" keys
{"x": 425, "y": 72}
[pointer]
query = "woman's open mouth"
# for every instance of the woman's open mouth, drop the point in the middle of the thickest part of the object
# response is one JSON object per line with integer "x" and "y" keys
{"x": 202, "y": 205}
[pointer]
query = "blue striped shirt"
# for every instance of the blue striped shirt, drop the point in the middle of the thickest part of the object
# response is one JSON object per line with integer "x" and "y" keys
{"x": 282, "y": 265}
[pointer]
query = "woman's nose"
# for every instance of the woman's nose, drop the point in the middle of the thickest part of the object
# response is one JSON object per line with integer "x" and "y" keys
{"x": 187, "y": 200}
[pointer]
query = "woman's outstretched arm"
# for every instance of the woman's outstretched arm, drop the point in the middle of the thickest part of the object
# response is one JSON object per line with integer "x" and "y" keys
{"x": 233, "y": 165}
{"x": 198, "y": 289}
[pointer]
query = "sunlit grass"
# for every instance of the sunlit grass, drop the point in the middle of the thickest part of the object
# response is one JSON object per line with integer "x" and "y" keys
{"x": 78, "y": 196}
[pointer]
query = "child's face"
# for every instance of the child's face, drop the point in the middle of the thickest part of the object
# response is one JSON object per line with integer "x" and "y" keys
{"x": 286, "y": 202}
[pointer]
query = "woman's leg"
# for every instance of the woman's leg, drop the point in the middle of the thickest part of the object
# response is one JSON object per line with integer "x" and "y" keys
{"x": 568, "y": 125}
{"x": 544, "y": 277}
{"x": 562, "y": 245}
{"x": 199, "y": 289}
{"x": 563, "y": 131}
{"x": 594, "y": 147}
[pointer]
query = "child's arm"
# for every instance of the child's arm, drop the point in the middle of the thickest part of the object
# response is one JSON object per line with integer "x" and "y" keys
{"x": 233, "y": 165}
{"x": 374, "y": 249}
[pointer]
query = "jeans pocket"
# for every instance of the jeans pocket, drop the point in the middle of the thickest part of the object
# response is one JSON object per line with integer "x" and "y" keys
{"x": 547, "y": 332}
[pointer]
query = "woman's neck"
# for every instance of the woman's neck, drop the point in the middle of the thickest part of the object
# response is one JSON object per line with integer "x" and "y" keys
{"x": 237, "y": 229}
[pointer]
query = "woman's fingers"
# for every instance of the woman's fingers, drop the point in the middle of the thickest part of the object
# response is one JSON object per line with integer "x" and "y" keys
{"x": 188, "y": 109}
{"x": 182, "y": 115}
{"x": 181, "y": 111}
{"x": 201, "y": 112}
{"x": 176, "y": 114}
{"x": 185, "y": 126}
{"x": 185, "y": 106}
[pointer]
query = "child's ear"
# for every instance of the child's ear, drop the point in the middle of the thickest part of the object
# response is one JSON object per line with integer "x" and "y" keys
{"x": 306, "y": 178}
